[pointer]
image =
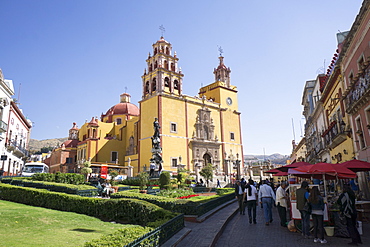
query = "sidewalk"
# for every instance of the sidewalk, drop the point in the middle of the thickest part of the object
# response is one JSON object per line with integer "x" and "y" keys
{"x": 204, "y": 234}
{"x": 239, "y": 232}
{"x": 227, "y": 228}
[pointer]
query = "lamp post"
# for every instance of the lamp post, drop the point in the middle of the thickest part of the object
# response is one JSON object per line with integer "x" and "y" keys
{"x": 237, "y": 163}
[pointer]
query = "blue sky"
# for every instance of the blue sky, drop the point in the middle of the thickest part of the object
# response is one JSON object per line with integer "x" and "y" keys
{"x": 70, "y": 60}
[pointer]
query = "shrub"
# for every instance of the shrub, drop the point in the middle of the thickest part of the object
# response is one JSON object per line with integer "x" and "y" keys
{"x": 121, "y": 210}
{"x": 143, "y": 179}
{"x": 164, "y": 180}
{"x": 67, "y": 178}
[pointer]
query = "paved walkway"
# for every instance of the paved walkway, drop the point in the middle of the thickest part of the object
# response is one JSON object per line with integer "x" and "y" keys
{"x": 227, "y": 228}
{"x": 239, "y": 232}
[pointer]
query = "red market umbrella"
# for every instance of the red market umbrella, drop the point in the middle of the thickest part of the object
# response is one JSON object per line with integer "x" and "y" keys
{"x": 293, "y": 165}
{"x": 272, "y": 171}
{"x": 331, "y": 171}
{"x": 280, "y": 174}
{"x": 356, "y": 165}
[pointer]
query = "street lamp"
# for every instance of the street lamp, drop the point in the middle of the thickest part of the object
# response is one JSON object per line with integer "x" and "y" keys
{"x": 237, "y": 162}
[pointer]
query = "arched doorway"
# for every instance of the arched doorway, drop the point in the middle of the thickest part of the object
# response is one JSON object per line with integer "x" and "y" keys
{"x": 207, "y": 159}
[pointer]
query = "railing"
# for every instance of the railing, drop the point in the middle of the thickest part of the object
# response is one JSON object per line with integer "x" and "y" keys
{"x": 334, "y": 135}
{"x": 161, "y": 234}
{"x": 360, "y": 89}
{"x": 18, "y": 150}
{"x": 3, "y": 126}
{"x": 205, "y": 207}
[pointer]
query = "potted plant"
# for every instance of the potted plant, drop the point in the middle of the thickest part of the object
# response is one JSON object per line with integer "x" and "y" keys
{"x": 143, "y": 180}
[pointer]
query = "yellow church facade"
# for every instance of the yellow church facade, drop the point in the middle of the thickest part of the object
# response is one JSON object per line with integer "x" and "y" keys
{"x": 194, "y": 131}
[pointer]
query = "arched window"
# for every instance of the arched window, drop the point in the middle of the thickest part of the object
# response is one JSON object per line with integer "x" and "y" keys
{"x": 165, "y": 64}
{"x": 154, "y": 84}
{"x": 166, "y": 82}
{"x": 155, "y": 51}
{"x": 167, "y": 51}
{"x": 150, "y": 67}
{"x": 155, "y": 65}
{"x": 147, "y": 87}
{"x": 176, "y": 84}
{"x": 206, "y": 135}
{"x": 172, "y": 66}
{"x": 119, "y": 121}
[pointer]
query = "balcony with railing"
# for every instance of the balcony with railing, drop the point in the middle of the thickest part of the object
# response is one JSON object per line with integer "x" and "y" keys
{"x": 359, "y": 92}
{"x": 3, "y": 126}
{"x": 335, "y": 134}
{"x": 17, "y": 149}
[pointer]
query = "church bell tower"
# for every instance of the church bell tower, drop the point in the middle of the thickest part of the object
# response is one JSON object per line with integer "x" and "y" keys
{"x": 162, "y": 73}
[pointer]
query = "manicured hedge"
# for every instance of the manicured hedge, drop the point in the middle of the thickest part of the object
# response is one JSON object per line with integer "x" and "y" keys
{"x": 124, "y": 237}
{"x": 119, "y": 210}
{"x": 85, "y": 190}
{"x": 67, "y": 178}
{"x": 185, "y": 206}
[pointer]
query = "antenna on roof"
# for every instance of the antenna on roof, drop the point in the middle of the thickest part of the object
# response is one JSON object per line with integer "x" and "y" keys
{"x": 19, "y": 93}
{"x": 293, "y": 130}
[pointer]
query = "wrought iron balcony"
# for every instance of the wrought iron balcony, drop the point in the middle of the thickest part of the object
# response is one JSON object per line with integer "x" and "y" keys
{"x": 334, "y": 134}
{"x": 3, "y": 126}
{"x": 17, "y": 149}
{"x": 359, "y": 92}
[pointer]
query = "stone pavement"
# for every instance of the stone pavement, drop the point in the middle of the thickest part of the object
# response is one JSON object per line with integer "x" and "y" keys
{"x": 226, "y": 227}
{"x": 239, "y": 232}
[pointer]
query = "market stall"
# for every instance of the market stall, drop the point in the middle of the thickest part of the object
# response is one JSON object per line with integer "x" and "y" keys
{"x": 324, "y": 175}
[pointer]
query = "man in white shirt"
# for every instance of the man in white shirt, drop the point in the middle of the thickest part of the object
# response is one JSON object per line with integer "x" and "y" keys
{"x": 250, "y": 196}
{"x": 281, "y": 203}
{"x": 266, "y": 196}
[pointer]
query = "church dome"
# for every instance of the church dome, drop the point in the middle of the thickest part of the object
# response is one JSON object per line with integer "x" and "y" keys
{"x": 70, "y": 143}
{"x": 122, "y": 108}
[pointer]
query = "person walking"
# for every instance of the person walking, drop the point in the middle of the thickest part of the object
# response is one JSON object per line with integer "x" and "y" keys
{"x": 250, "y": 196}
{"x": 218, "y": 183}
{"x": 266, "y": 197}
{"x": 318, "y": 206}
{"x": 239, "y": 194}
{"x": 302, "y": 195}
{"x": 281, "y": 203}
{"x": 346, "y": 202}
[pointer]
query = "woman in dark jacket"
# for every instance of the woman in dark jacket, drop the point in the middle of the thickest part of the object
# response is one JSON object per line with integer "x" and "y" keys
{"x": 347, "y": 205}
{"x": 318, "y": 206}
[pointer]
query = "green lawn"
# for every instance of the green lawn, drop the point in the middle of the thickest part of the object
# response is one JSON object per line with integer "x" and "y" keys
{"x": 23, "y": 225}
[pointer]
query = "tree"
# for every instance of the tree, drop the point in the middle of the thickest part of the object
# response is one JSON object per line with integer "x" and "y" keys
{"x": 164, "y": 180}
{"x": 207, "y": 173}
{"x": 112, "y": 173}
{"x": 143, "y": 179}
{"x": 86, "y": 169}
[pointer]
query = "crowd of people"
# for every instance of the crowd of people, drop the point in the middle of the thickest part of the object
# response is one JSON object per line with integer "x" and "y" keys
{"x": 310, "y": 204}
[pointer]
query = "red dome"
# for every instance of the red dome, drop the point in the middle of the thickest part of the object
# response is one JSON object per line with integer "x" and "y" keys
{"x": 123, "y": 109}
{"x": 70, "y": 143}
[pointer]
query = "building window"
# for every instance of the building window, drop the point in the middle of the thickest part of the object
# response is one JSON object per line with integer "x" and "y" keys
{"x": 174, "y": 162}
{"x": 114, "y": 156}
{"x": 232, "y": 136}
{"x": 360, "y": 134}
{"x": 69, "y": 160}
{"x": 173, "y": 127}
{"x": 119, "y": 121}
{"x": 367, "y": 113}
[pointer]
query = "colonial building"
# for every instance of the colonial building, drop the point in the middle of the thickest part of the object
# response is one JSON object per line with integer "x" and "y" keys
{"x": 14, "y": 131}
{"x": 64, "y": 157}
{"x": 195, "y": 131}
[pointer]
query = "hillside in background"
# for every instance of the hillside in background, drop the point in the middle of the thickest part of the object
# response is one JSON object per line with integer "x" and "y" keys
{"x": 36, "y": 145}
{"x": 274, "y": 158}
